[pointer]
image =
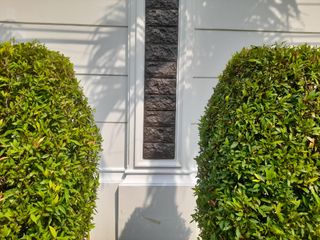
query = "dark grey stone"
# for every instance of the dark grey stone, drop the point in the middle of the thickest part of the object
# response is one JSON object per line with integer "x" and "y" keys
{"x": 159, "y": 17}
{"x": 158, "y": 86}
{"x": 160, "y": 52}
{"x": 162, "y": 4}
{"x": 161, "y": 69}
{"x": 161, "y": 35}
{"x": 160, "y": 78}
{"x": 159, "y": 135}
{"x": 160, "y": 102}
{"x": 159, "y": 118}
{"x": 158, "y": 150}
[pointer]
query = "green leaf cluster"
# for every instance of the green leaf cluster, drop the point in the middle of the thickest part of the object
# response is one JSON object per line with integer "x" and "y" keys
{"x": 49, "y": 146}
{"x": 259, "y": 160}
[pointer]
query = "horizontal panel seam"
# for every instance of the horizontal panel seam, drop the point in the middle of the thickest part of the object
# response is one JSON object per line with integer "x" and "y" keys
{"x": 109, "y": 122}
{"x": 255, "y": 30}
{"x": 65, "y": 24}
{"x": 204, "y": 77}
{"x": 160, "y": 110}
{"x": 101, "y": 75}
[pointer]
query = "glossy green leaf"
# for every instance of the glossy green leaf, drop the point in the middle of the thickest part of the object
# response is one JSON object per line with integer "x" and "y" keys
{"x": 48, "y": 169}
{"x": 258, "y": 164}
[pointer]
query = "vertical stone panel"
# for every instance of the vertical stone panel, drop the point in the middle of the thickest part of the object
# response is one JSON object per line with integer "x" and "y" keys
{"x": 161, "y": 52}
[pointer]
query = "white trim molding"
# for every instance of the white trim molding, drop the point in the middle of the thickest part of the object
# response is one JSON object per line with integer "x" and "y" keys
{"x": 136, "y": 59}
{"x": 136, "y": 45}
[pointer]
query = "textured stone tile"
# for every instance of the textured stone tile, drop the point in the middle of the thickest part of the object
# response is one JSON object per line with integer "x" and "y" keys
{"x": 161, "y": 52}
{"x": 162, "y": 4}
{"x": 159, "y": 135}
{"x": 159, "y": 86}
{"x": 161, "y": 35}
{"x": 159, "y": 17}
{"x": 159, "y": 118}
{"x": 158, "y": 150}
{"x": 160, "y": 102}
{"x": 161, "y": 69}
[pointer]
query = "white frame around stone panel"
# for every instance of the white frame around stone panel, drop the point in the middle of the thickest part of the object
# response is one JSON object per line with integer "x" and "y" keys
{"x": 136, "y": 92}
{"x": 185, "y": 73}
{"x": 136, "y": 49}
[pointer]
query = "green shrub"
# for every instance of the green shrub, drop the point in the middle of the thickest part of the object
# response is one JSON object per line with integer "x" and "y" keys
{"x": 258, "y": 167}
{"x": 49, "y": 147}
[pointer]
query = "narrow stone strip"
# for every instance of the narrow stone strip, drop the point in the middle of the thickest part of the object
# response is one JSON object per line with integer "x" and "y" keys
{"x": 161, "y": 52}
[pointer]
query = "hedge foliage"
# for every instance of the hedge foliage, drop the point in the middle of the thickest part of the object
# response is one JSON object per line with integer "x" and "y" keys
{"x": 49, "y": 146}
{"x": 258, "y": 167}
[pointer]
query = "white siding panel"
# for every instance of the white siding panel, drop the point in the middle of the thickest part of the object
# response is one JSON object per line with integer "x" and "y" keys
{"x": 213, "y": 49}
{"x": 105, "y": 220}
{"x": 156, "y": 213}
{"x": 292, "y": 15}
{"x": 98, "y": 50}
{"x": 113, "y": 153}
{"x": 194, "y": 140}
{"x": 189, "y": 145}
{"x": 107, "y": 95}
{"x": 196, "y": 95}
{"x": 97, "y": 12}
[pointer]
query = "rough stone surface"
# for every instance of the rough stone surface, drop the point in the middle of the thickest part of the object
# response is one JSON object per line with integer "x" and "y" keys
{"x": 161, "y": 35}
{"x": 160, "y": 52}
{"x": 158, "y": 86}
{"x": 159, "y": 118}
{"x": 160, "y": 78}
{"x": 160, "y": 17}
{"x": 161, "y": 69}
{"x": 162, "y": 4}
{"x": 159, "y": 134}
{"x": 160, "y": 102}
{"x": 158, "y": 150}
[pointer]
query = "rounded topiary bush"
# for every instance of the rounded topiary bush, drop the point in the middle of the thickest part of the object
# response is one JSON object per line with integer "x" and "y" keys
{"x": 258, "y": 167}
{"x": 49, "y": 146}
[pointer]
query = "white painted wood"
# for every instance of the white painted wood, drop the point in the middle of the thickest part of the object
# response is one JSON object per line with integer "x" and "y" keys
{"x": 193, "y": 149}
{"x": 157, "y": 171}
{"x": 196, "y": 95}
{"x": 153, "y": 178}
{"x": 135, "y": 77}
{"x": 113, "y": 153}
{"x": 274, "y": 15}
{"x": 95, "y": 50}
{"x": 107, "y": 95}
{"x": 157, "y": 213}
{"x": 190, "y": 91}
{"x": 111, "y": 175}
{"x": 213, "y": 49}
{"x": 190, "y": 145}
{"x": 105, "y": 219}
{"x": 184, "y": 74}
{"x": 97, "y": 12}
{"x": 197, "y": 92}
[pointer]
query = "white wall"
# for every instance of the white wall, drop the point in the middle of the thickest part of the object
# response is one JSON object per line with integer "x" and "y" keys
{"x": 222, "y": 27}
{"x": 141, "y": 199}
{"x": 94, "y": 34}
